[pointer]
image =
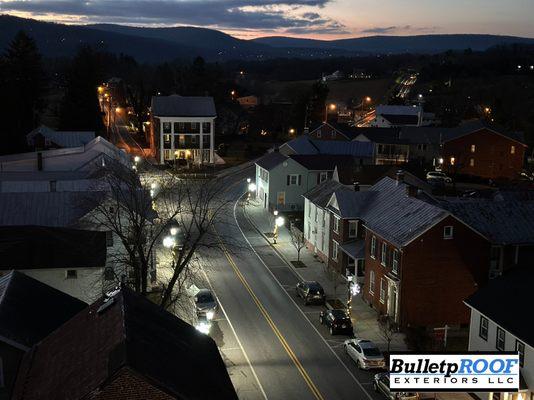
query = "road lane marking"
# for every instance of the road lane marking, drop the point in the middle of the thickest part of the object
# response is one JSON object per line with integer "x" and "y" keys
{"x": 234, "y": 332}
{"x": 315, "y": 391}
{"x": 296, "y": 305}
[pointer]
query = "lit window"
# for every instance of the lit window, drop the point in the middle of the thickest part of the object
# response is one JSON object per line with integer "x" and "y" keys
{"x": 372, "y": 282}
{"x": 373, "y": 247}
{"x": 353, "y": 229}
{"x": 384, "y": 253}
{"x": 448, "y": 232}
{"x": 501, "y": 339}
{"x": 520, "y": 348}
{"x": 453, "y": 160}
{"x": 395, "y": 263}
{"x": 483, "y": 328}
{"x": 471, "y": 162}
{"x": 167, "y": 127}
{"x": 512, "y": 150}
{"x": 473, "y": 148}
{"x": 336, "y": 224}
{"x": 334, "y": 249}
{"x": 383, "y": 286}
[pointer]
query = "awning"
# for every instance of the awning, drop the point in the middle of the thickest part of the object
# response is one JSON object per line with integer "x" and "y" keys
{"x": 354, "y": 249}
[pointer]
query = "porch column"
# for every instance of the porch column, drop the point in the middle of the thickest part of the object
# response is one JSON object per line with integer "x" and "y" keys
{"x": 172, "y": 142}
{"x": 201, "y": 143}
{"x": 161, "y": 143}
{"x": 212, "y": 140}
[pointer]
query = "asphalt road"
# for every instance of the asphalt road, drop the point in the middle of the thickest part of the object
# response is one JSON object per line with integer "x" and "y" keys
{"x": 282, "y": 350}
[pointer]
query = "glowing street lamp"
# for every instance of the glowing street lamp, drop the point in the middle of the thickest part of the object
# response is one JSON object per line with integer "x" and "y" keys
{"x": 251, "y": 187}
{"x": 168, "y": 242}
{"x": 249, "y": 180}
{"x": 100, "y": 89}
{"x": 292, "y": 131}
{"x": 137, "y": 159}
{"x": 278, "y": 223}
{"x": 330, "y": 107}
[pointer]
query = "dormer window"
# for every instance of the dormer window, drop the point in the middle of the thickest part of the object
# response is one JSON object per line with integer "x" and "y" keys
{"x": 448, "y": 232}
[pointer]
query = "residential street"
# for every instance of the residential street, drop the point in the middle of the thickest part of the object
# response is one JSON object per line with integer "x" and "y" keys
{"x": 272, "y": 329}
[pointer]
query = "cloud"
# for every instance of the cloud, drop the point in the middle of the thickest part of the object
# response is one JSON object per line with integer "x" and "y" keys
{"x": 380, "y": 30}
{"x": 230, "y": 14}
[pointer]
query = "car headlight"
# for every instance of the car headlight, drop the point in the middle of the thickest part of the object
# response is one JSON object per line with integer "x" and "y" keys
{"x": 210, "y": 314}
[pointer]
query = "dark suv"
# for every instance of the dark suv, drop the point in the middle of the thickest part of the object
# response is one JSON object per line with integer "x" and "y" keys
{"x": 311, "y": 292}
{"x": 337, "y": 321}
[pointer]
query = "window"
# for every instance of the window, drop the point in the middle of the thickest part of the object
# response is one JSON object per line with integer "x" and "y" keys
{"x": 353, "y": 229}
{"x": 334, "y": 249}
{"x": 483, "y": 328}
{"x": 447, "y": 232}
{"x": 318, "y": 134}
{"x": 109, "y": 239}
{"x": 316, "y": 214}
{"x": 167, "y": 154}
{"x": 333, "y": 133}
{"x": 324, "y": 218}
{"x": 193, "y": 139}
{"x": 512, "y": 149}
{"x": 71, "y": 274}
{"x": 421, "y": 147}
{"x": 395, "y": 263}
{"x": 473, "y": 148}
{"x": 453, "y": 160}
{"x": 471, "y": 162}
{"x": 206, "y": 127}
{"x": 167, "y": 127}
{"x": 53, "y": 186}
{"x": 323, "y": 176}
{"x": 281, "y": 198}
{"x": 373, "y": 247}
{"x": 167, "y": 138}
{"x": 520, "y": 348}
{"x": 501, "y": 339}
{"x": 195, "y": 126}
{"x": 179, "y": 127}
{"x": 372, "y": 282}
{"x": 383, "y": 285}
{"x": 384, "y": 254}
{"x": 336, "y": 224}
{"x": 293, "y": 180}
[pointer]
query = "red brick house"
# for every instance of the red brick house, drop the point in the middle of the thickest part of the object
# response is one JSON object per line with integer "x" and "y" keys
{"x": 124, "y": 347}
{"x": 421, "y": 262}
{"x": 479, "y": 149}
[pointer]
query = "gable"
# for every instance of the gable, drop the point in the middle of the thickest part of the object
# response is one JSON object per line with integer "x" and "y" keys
{"x": 483, "y": 131}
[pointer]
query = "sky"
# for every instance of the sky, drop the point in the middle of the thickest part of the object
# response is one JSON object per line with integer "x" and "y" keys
{"x": 320, "y": 19}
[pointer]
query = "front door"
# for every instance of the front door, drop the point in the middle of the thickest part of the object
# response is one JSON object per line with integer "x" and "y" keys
{"x": 392, "y": 301}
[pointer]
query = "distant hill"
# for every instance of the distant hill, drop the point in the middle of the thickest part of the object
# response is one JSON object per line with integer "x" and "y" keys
{"x": 398, "y": 44}
{"x": 165, "y": 44}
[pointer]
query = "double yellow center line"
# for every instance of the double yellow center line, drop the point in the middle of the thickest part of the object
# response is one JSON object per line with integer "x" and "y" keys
{"x": 270, "y": 321}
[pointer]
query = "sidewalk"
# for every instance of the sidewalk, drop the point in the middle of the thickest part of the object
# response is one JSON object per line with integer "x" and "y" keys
{"x": 364, "y": 318}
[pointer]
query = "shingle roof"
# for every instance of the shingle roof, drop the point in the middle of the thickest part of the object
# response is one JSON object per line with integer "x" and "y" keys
{"x": 501, "y": 222}
{"x": 183, "y": 106}
{"x": 62, "y": 138}
{"x": 321, "y": 193}
{"x": 504, "y": 300}
{"x": 30, "y": 310}
{"x": 127, "y": 331}
{"x": 36, "y": 247}
{"x": 60, "y": 209}
{"x": 271, "y": 160}
{"x": 323, "y": 162}
{"x": 353, "y": 204}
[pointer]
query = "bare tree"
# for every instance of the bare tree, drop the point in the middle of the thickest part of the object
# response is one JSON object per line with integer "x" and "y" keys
{"x": 388, "y": 329}
{"x": 145, "y": 208}
{"x": 297, "y": 239}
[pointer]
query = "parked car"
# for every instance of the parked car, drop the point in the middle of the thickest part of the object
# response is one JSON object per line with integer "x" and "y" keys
{"x": 364, "y": 353}
{"x": 438, "y": 176}
{"x": 205, "y": 303}
{"x": 311, "y": 292}
{"x": 337, "y": 321}
{"x": 381, "y": 385}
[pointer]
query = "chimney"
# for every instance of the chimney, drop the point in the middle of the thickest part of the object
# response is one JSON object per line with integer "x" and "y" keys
{"x": 39, "y": 161}
{"x": 356, "y": 186}
{"x": 400, "y": 177}
{"x": 411, "y": 191}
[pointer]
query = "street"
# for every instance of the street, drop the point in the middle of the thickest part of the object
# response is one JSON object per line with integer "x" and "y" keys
{"x": 255, "y": 288}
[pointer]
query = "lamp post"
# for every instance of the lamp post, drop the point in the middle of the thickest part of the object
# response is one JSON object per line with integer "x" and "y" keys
{"x": 251, "y": 189}
{"x": 353, "y": 289}
{"x": 327, "y": 107}
{"x": 278, "y": 223}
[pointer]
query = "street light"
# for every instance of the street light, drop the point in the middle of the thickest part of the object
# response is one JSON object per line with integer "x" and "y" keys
{"x": 168, "y": 242}
{"x": 251, "y": 189}
{"x": 249, "y": 180}
{"x": 278, "y": 223}
{"x": 330, "y": 107}
{"x": 292, "y": 131}
{"x": 137, "y": 159}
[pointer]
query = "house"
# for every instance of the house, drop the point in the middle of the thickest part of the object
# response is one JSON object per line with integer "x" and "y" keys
{"x": 317, "y": 217}
{"x": 282, "y": 180}
{"x": 82, "y": 158}
{"x": 362, "y": 152}
{"x": 415, "y": 252}
{"x": 248, "y": 101}
{"x": 124, "y": 347}
{"x": 44, "y": 138}
{"x": 499, "y": 323}
{"x": 182, "y": 128}
{"x": 333, "y": 131}
{"x": 482, "y": 149}
{"x": 29, "y": 311}
{"x": 388, "y": 116}
{"x": 70, "y": 260}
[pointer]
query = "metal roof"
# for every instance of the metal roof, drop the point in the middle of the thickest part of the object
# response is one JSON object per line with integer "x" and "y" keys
{"x": 354, "y": 249}
{"x": 271, "y": 160}
{"x": 61, "y": 138}
{"x": 183, "y": 106}
{"x": 323, "y": 162}
{"x": 306, "y": 145}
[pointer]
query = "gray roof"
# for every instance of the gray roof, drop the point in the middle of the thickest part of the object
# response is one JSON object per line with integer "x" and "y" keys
{"x": 61, "y": 138}
{"x": 183, "y": 106}
{"x": 355, "y": 249}
{"x": 323, "y": 162}
{"x": 307, "y": 146}
{"x": 501, "y": 222}
{"x": 321, "y": 193}
{"x": 504, "y": 300}
{"x": 61, "y": 209}
{"x": 353, "y": 204}
{"x": 472, "y": 126}
{"x": 271, "y": 160}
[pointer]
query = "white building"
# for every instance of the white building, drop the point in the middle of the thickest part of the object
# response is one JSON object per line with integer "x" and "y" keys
{"x": 183, "y": 128}
{"x": 500, "y": 321}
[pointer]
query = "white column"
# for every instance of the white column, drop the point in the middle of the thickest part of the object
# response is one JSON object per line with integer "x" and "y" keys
{"x": 212, "y": 140}
{"x": 201, "y": 144}
{"x": 161, "y": 145}
{"x": 172, "y": 142}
